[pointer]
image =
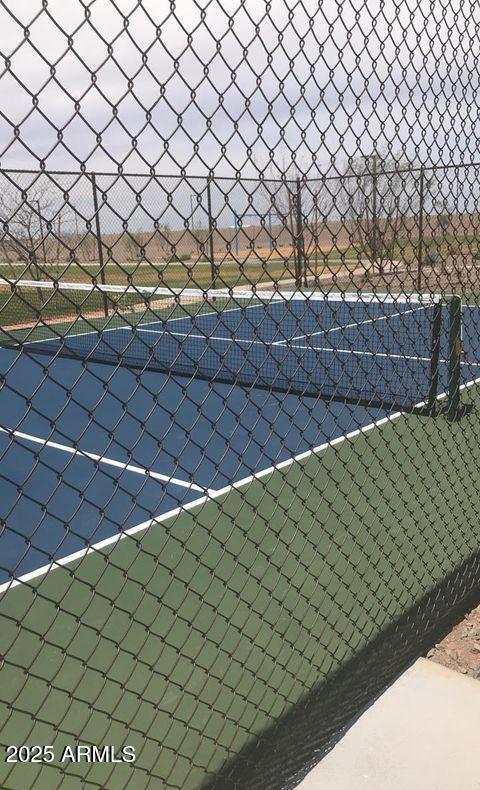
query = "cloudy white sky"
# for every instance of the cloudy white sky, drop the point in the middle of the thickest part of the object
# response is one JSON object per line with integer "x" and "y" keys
{"x": 233, "y": 84}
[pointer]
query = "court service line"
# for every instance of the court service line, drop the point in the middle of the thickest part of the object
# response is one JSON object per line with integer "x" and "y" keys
{"x": 333, "y": 350}
{"x": 101, "y": 459}
{"x": 351, "y": 326}
{"x": 100, "y": 332}
{"x": 265, "y": 343}
{"x": 230, "y": 339}
{"x": 210, "y": 496}
{"x": 199, "y": 315}
{"x": 128, "y": 327}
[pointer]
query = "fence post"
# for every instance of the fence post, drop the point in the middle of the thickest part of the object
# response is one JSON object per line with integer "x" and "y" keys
{"x": 235, "y": 231}
{"x": 211, "y": 229}
{"x": 420, "y": 229}
{"x": 99, "y": 243}
{"x": 42, "y": 233}
{"x": 299, "y": 238}
{"x": 375, "y": 234}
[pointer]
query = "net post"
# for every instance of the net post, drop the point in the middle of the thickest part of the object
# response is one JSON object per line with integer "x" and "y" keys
{"x": 99, "y": 242}
{"x": 213, "y": 269}
{"x": 435, "y": 359}
{"x": 299, "y": 237}
{"x": 454, "y": 358}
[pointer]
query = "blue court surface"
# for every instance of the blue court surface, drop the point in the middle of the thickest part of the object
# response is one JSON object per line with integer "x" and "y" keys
{"x": 86, "y": 455}
{"x": 374, "y": 351}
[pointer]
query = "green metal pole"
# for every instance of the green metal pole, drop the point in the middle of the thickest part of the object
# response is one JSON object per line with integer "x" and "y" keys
{"x": 435, "y": 359}
{"x": 375, "y": 229}
{"x": 299, "y": 238}
{"x": 455, "y": 356}
{"x": 42, "y": 235}
{"x": 211, "y": 228}
{"x": 235, "y": 231}
{"x": 99, "y": 242}
{"x": 420, "y": 230}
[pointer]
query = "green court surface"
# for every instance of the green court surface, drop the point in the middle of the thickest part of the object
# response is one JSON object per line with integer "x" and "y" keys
{"x": 211, "y": 626}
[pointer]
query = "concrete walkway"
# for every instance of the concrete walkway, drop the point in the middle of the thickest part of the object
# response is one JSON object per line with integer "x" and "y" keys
{"x": 422, "y": 734}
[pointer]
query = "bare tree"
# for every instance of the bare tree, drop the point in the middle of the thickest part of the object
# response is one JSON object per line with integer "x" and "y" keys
{"x": 279, "y": 197}
{"x": 24, "y": 219}
{"x": 200, "y": 236}
{"x": 87, "y": 246}
{"x": 317, "y": 212}
{"x": 375, "y": 197}
{"x": 302, "y": 208}
{"x": 134, "y": 245}
{"x": 163, "y": 239}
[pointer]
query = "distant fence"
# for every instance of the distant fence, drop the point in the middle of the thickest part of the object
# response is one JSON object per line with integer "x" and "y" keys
{"x": 377, "y": 222}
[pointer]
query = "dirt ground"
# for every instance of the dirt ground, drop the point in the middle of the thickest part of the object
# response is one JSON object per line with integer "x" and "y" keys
{"x": 460, "y": 649}
{"x": 454, "y": 276}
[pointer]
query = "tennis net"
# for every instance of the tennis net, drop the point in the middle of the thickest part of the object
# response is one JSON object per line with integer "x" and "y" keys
{"x": 389, "y": 351}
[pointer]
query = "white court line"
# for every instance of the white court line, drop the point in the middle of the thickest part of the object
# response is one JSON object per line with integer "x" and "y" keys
{"x": 210, "y": 496}
{"x": 129, "y": 327}
{"x": 101, "y": 459}
{"x": 291, "y": 339}
{"x": 199, "y": 315}
{"x": 329, "y": 350}
{"x": 57, "y": 338}
{"x": 231, "y": 339}
{"x": 349, "y": 326}
{"x": 387, "y": 355}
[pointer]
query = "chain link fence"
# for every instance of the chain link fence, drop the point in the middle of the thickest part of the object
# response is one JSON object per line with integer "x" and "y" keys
{"x": 239, "y": 370}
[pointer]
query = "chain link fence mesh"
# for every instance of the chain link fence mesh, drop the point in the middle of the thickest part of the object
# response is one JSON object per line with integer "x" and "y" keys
{"x": 239, "y": 366}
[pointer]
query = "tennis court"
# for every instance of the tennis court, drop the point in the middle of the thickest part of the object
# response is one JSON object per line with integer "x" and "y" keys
{"x": 123, "y": 470}
{"x": 239, "y": 380}
{"x": 196, "y": 509}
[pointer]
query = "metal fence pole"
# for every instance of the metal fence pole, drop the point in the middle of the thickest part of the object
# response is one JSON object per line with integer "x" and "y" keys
{"x": 211, "y": 228}
{"x": 420, "y": 229}
{"x": 41, "y": 232}
{"x": 299, "y": 262}
{"x": 375, "y": 228}
{"x": 99, "y": 242}
{"x": 235, "y": 232}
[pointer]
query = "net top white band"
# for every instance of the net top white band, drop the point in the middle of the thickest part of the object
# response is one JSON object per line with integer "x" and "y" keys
{"x": 209, "y": 295}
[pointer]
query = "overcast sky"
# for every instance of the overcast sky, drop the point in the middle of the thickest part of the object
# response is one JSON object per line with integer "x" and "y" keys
{"x": 231, "y": 84}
